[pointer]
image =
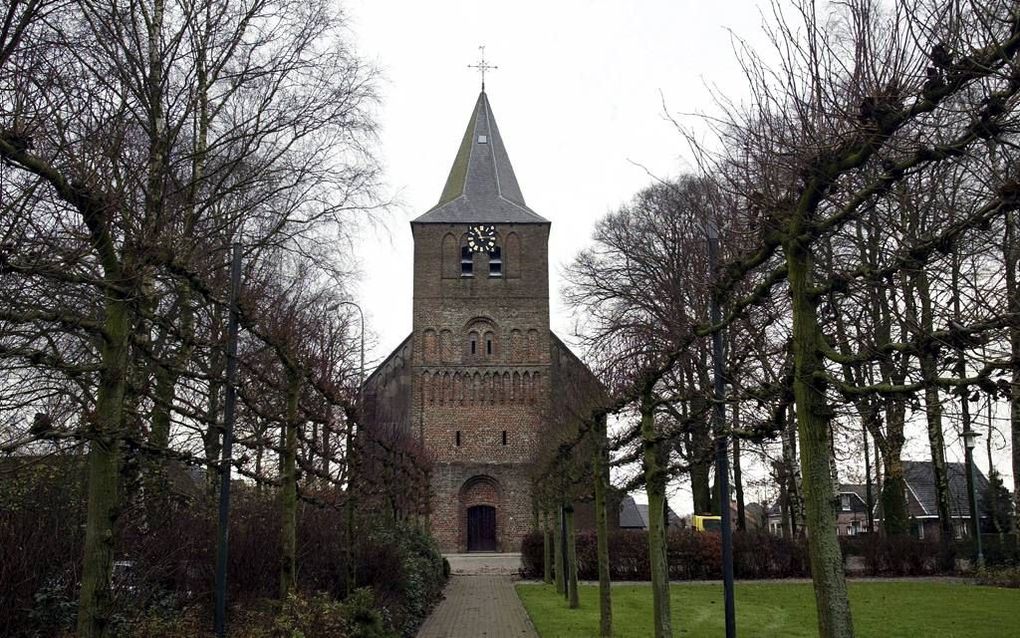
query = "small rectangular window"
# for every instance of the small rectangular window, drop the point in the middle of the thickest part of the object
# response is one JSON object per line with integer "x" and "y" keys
{"x": 488, "y": 346}
{"x": 495, "y": 262}
{"x": 466, "y": 262}
{"x": 457, "y": 438}
{"x": 504, "y": 437}
{"x": 845, "y": 498}
{"x": 482, "y": 139}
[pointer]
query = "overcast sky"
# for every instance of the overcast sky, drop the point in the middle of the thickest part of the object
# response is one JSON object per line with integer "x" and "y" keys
{"x": 580, "y": 95}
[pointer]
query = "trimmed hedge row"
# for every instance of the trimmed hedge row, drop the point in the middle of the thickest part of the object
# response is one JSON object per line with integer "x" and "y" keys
{"x": 756, "y": 555}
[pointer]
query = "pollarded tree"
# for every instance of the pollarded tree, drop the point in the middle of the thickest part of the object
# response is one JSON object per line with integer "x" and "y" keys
{"x": 641, "y": 289}
{"x": 861, "y": 99}
{"x": 235, "y": 121}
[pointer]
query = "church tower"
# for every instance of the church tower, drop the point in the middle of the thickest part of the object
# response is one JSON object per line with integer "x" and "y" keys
{"x": 480, "y": 347}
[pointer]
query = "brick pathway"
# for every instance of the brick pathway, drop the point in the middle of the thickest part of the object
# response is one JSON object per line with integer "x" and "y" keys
{"x": 476, "y": 606}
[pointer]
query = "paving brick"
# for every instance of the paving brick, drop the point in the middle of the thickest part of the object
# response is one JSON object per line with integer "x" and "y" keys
{"x": 479, "y": 606}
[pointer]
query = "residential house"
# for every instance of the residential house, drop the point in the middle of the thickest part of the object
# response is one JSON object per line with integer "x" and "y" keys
{"x": 851, "y": 511}
{"x": 634, "y": 515}
{"x": 922, "y": 505}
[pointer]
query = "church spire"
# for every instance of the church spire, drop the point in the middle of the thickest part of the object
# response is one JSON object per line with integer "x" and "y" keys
{"x": 481, "y": 186}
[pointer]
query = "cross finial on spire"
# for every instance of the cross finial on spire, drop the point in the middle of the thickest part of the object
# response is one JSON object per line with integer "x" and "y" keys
{"x": 482, "y": 65}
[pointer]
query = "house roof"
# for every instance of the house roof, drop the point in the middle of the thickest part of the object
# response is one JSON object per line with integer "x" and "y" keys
{"x": 481, "y": 186}
{"x": 634, "y": 515}
{"x": 920, "y": 478}
{"x": 921, "y": 500}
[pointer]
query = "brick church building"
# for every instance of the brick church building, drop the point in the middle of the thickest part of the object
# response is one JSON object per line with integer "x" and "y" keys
{"x": 474, "y": 380}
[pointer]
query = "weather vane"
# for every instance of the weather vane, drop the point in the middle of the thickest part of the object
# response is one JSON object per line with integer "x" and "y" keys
{"x": 482, "y": 65}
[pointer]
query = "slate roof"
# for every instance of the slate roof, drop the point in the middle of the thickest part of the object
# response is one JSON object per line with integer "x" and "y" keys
{"x": 920, "y": 480}
{"x": 634, "y": 515}
{"x": 482, "y": 186}
{"x": 921, "y": 486}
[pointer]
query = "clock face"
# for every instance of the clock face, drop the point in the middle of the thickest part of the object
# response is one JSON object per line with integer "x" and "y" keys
{"x": 481, "y": 238}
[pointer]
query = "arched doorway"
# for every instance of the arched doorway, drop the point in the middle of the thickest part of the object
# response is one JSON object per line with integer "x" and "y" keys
{"x": 481, "y": 528}
{"x": 480, "y": 518}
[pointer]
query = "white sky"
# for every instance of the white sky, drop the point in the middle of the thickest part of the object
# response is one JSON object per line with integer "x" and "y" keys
{"x": 579, "y": 101}
{"x": 579, "y": 97}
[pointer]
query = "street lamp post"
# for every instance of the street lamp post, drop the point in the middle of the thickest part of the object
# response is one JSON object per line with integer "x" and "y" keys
{"x": 722, "y": 440}
{"x": 970, "y": 438}
{"x": 349, "y": 509}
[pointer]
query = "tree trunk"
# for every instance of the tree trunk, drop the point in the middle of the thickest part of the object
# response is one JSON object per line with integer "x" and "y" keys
{"x": 572, "y": 601}
{"x": 738, "y": 482}
{"x": 699, "y": 451}
{"x": 933, "y": 413}
{"x": 561, "y": 582}
{"x": 964, "y": 392}
{"x": 813, "y": 418}
{"x": 1011, "y": 250}
{"x": 547, "y": 542}
{"x": 95, "y": 602}
{"x": 789, "y": 471}
{"x": 288, "y": 491}
{"x": 600, "y": 465}
{"x": 895, "y": 518}
{"x": 655, "y": 485}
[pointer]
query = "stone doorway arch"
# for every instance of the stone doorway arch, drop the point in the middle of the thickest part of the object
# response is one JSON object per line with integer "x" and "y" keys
{"x": 481, "y": 514}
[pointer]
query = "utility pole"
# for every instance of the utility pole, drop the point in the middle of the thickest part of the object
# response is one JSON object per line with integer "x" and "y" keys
{"x": 721, "y": 439}
{"x": 227, "y": 457}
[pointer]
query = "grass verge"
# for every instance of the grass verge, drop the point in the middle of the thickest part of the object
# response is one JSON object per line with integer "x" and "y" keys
{"x": 885, "y": 609}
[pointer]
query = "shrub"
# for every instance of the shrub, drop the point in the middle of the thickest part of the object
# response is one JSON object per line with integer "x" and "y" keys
{"x": 1005, "y": 576}
{"x": 402, "y": 564}
{"x": 166, "y": 553}
{"x": 894, "y": 555}
{"x": 756, "y": 555}
{"x": 532, "y": 555}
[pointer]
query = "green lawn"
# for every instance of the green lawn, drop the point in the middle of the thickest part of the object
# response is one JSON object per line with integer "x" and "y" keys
{"x": 886, "y": 609}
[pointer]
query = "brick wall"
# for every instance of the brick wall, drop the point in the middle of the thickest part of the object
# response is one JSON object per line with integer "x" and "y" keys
{"x": 463, "y": 401}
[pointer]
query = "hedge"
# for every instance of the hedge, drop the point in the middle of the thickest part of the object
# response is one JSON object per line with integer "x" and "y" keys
{"x": 756, "y": 555}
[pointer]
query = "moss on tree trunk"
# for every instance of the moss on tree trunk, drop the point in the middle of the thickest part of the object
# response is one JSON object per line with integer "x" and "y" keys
{"x": 95, "y": 601}
{"x": 558, "y": 549}
{"x": 813, "y": 422}
{"x": 572, "y": 600}
{"x": 600, "y": 469}
{"x": 288, "y": 490}
{"x": 547, "y": 551}
{"x": 655, "y": 486}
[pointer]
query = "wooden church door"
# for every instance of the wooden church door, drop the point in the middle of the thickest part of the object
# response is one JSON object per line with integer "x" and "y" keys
{"x": 481, "y": 528}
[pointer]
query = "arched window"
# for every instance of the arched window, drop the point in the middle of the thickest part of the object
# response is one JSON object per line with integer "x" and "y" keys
{"x": 430, "y": 346}
{"x": 512, "y": 268}
{"x": 473, "y": 343}
{"x": 451, "y": 257}
{"x": 445, "y": 346}
{"x": 516, "y": 346}
{"x": 496, "y": 262}
{"x": 490, "y": 347}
